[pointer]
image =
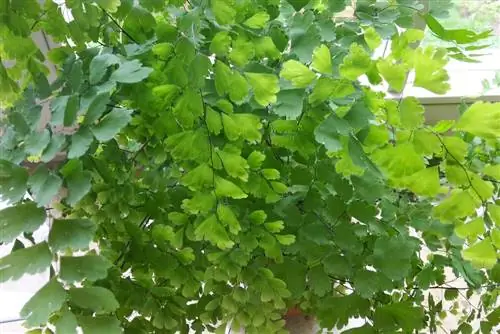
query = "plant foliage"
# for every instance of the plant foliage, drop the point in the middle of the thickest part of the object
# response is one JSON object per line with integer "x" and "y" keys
{"x": 220, "y": 161}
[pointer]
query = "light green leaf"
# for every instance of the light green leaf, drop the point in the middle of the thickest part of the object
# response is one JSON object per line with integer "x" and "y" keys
{"x": 214, "y": 121}
{"x": 471, "y": 229}
{"x": 99, "y": 325}
{"x": 494, "y": 213}
{"x": 430, "y": 72}
{"x": 80, "y": 143}
{"x": 99, "y": 65}
{"x": 394, "y": 73}
{"x": 109, "y": 5}
{"x": 235, "y": 165}
{"x": 78, "y": 186}
{"x": 482, "y": 119}
{"x": 47, "y": 300}
{"x": 461, "y": 203}
{"x": 298, "y": 4}
{"x": 71, "y": 233}
{"x": 131, "y": 72}
{"x": 242, "y": 51}
{"x": 111, "y": 124}
{"x": 213, "y": 231}
{"x": 372, "y": 38}
{"x": 24, "y": 217}
{"x": 255, "y": 159}
{"x": 322, "y": 60}
{"x": 95, "y": 298}
{"x": 411, "y": 113}
{"x": 265, "y": 86}
{"x": 297, "y": 73}
{"x": 425, "y": 182}
{"x": 257, "y": 21}
{"x": 199, "y": 177}
{"x": 87, "y": 267}
{"x": 226, "y": 188}
{"x": 249, "y": 126}
{"x": 221, "y": 43}
{"x": 231, "y": 129}
{"x": 356, "y": 63}
{"x": 228, "y": 218}
{"x": 66, "y": 323}
{"x": 482, "y": 254}
{"x": 224, "y": 11}
{"x": 264, "y": 47}
{"x": 31, "y": 260}
{"x": 492, "y": 171}
{"x": 285, "y": 239}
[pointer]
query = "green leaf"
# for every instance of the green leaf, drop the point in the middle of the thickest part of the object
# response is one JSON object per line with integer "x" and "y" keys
{"x": 411, "y": 113}
{"x": 322, "y": 60}
{"x": 399, "y": 315}
{"x": 99, "y": 65}
{"x": 111, "y": 124}
{"x": 356, "y": 63}
{"x": 56, "y": 144}
{"x": 298, "y": 4}
{"x": 265, "y": 86}
{"x": 320, "y": 282}
{"x": 31, "y": 260}
{"x": 482, "y": 119}
{"x": 131, "y": 72}
{"x": 459, "y": 36}
{"x": 257, "y": 21}
{"x": 255, "y": 159}
{"x": 24, "y": 217}
{"x": 290, "y": 103}
{"x": 326, "y": 88}
{"x": 99, "y": 324}
{"x": 242, "y": 51}
{"x": 44, "y": 302}
{"x": 66, "y": 323}
{"x": 96, "y": 108}
{"x": 80, "y": 143}
{"x": 36, "y": 142}
{"x": 71, "y": 233}
{"x": 329, "y": 131}
{"x": 471, "y": 229}
{"x": 482, "y": 254}
{"x": 226, "y": 188}
{"x": 224, "y": 11}
{"x": 399, "y": 250}
{"x": 298, "y": 74}
{"x": 13, "y": 182}
{"x": 372, "y": 38}
{"x": 286, "y": 239}
{"x": 213, "y": 231}
{"x": 78, "y": 186}
{"x": 79, "y": 268}
{"x": 44, "y": 185}
{"x": 95, "y": 298}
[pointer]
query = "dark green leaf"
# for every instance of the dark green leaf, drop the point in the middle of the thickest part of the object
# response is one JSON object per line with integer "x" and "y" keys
{"x": 71, "y": 233}
{"x": 25, "y": 217}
